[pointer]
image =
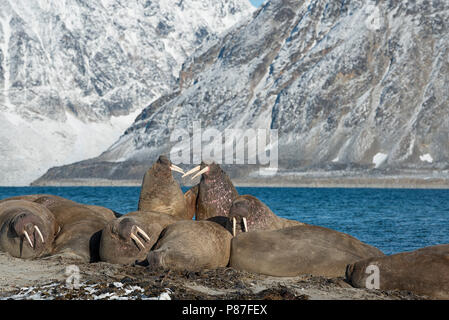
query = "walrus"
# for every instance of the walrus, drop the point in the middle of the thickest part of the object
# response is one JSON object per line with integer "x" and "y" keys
{"x": 191, "y": 245}
{"x": 30, "y": 197}
{"x": 128, "y": 239}
{"x": 424, "y": 272}
{"x": 191, "y": 197}
{"x": 248, "y": 213}
{"x": 81, "y": 227}
{"x": 27, "y": 229}
{"x": 298, "y": 250}
{"x": 104, "y": 212}
{"x": 215, "y": 191}
{"x": 160, "y": 192}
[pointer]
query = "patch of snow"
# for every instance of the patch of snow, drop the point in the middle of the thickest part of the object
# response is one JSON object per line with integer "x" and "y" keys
{"x": 379, "y": 158}
{"x": 426, "y": 158}
{"x": 37, "y": 145}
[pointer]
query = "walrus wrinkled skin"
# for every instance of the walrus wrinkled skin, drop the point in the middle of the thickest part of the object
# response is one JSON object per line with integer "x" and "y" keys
{"x": 160, "y": 192}
{"x": 248, "y": 214}
{"x": 298, "y": 250}
{"x": 123, "y": 243}
{"x": 424, "y": 272}
{"x": 192, "y": 246}
{"x": 27, "y": 229}
{"x": 215, "y": 193}
{"x": 81, "y": 227}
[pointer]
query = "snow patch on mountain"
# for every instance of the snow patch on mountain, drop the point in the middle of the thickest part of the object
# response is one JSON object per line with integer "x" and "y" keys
{"x": 38, "y": 145}
{"x": 76, "y": 72}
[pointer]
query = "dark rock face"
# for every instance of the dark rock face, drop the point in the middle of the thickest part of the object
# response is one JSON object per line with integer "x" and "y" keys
{"x": 349, "y": 85}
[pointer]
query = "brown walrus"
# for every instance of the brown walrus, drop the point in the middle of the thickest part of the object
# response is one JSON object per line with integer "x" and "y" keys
{"x": 215, "y": 191}
{"x": 160, "y": 192}
{"x": 191, "y": 245}
{"x": 424, "y": 271}
{"x": 191, "y": 197}
{"x": 30, "y": 197}
{"x": 248, "y": 213}
{"x": 128, "y": 239}
{"x": 298, "y": 250}
{"x": 27, "y": 229}
{"x": 80, "y": 227}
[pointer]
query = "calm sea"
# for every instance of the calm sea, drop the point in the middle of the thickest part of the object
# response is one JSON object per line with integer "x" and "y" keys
{"x": 392, "y": 220}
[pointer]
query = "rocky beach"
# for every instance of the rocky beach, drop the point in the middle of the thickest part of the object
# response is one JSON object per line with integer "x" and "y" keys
{"x": 46, "y": 279}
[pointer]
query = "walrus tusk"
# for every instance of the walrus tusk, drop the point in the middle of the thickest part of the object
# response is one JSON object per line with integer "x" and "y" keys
{"x": 39, "y": 233}
{"x": 245, "y": 224}
{"x": 143, "y": 233}
{"x": 134, "y": 237}
{"x": 192, "y": 171}
{"x": 233, "y": 227}
{"x": 200, "y": 173}
{"x": 28, "y": 238}
{"x": 176, "y": 168}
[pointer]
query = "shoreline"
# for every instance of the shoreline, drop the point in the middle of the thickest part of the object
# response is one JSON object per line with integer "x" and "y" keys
{"x": 288, "y": 181}
{"x": 45, "y": 279}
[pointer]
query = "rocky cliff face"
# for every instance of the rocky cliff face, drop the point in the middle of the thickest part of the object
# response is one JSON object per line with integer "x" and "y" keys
{"x": 351, "y": 86}
{"x": 74, "y": 74}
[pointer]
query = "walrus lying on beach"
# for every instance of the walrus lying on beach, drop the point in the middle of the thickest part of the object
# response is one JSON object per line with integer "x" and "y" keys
{"x": 191, "y": 245}
{"x": 80, "y": 227}
{"x": 424, "y": 271}
{"x": 248, "y": 213}
{"x": 30, "y": 197}
{"x": 298, "y": 250}
{"x": 27, "y": 229}
{"x": 161, "y": 193}
{"x": 215, "y": 191}
{"x": 128, "y": 239}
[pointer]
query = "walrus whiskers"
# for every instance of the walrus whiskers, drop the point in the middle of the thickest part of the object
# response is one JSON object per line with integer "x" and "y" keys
{"x": 192, "y": 171}
{"x": 200, "y": 173}
{"x": 143, "y": 234}
{"x": 176, "y": 168}
{"x": 138, "y": 242}
{"x": 39, "y": 233}
{"x": 28, "y": 238}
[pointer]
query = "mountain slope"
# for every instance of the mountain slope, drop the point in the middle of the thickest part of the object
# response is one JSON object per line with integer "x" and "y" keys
{"x": 353, "y": 87}
{"x": 74, "y": 74}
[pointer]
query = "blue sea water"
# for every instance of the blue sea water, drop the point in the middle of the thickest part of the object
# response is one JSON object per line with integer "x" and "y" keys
{"x": 389, "y": 219}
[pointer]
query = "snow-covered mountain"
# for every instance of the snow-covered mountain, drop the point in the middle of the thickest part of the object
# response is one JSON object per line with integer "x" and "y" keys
{"x": 352, "y": 86}
{"x": 74, "y": 74}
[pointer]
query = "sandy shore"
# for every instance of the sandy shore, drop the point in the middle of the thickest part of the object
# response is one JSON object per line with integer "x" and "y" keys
{"x": 46, "y": 279}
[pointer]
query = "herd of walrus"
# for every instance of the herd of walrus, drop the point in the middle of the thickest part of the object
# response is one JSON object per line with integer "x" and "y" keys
{"x": 210, "y": 226}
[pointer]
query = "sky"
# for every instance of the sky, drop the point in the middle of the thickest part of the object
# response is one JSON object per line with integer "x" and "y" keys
{"x": 256, "y": 2}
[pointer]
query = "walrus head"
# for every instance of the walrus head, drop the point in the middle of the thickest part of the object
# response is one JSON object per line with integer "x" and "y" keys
{"x": 160, "y": 192}
{"x": 24, "y": 234}
{"x": 163, "y": 168}
{"x": 124, "y": 242}
{"x": 216, "y": 191}
{"x": 247, "y": 213}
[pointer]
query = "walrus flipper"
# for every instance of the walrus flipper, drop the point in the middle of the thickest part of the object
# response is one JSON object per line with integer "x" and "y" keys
{"x": 191, "y": 197}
